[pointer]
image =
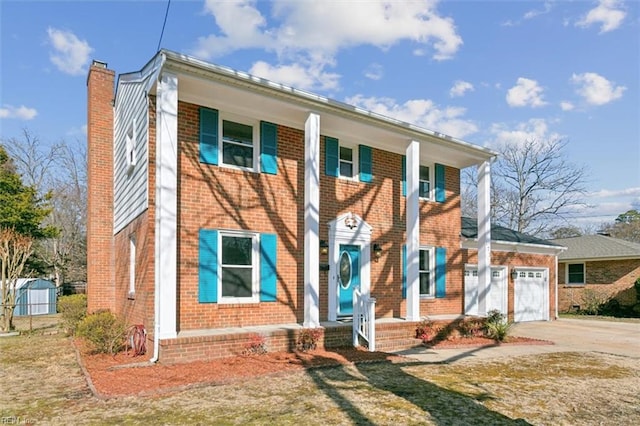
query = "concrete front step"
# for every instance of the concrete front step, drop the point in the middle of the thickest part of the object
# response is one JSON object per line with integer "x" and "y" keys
{"x": 397, "y": 344}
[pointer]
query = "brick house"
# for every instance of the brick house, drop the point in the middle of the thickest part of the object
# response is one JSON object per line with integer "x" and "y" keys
{"x": 221, "y": 204}
{"x": 607, "y": 266}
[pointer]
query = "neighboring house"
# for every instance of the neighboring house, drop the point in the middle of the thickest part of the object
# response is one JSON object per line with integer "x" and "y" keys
{"x": 35, "y": 296}
{"x": 607, "y": 266}
{"x": 523, "y": 274}
{"x": 221, "y": 203}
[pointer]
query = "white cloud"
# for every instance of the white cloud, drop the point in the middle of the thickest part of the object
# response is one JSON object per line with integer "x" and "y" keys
{"x": 309, "y": 30}
{"x": 70, "y": 54}
{"x": 566, "y": 106}
{"x": 421, "y": 112}
{"x": 595, "y": 89}
{"x": 374, "y": 72}
{"x": 625, "y": 192}
{"x": 21, "y": 113}
{"x": 534, "y": 13}
{"x": 460, "y": 87}
{"x": 609, "y": 14}
{"x": 296, "y": 75}
{"x": 535, "y": 129}
{"x": 526, "y": 92}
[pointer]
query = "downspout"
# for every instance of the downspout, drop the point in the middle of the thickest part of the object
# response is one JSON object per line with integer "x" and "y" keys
{"x": 156, "y": 287}
{"x": 556, "y": 266}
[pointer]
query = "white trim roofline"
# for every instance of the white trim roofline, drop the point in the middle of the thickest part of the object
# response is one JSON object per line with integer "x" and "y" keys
{"x": 472, "y": 243}
{"x": 599, "y": 259}
{"x": 190, "y": 65}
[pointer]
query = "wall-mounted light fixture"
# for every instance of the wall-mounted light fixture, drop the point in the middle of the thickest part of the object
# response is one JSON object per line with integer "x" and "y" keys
{"x": 514, "y": 274}
{"x": 324, "y": 248}
{"x": 377, "y": 251}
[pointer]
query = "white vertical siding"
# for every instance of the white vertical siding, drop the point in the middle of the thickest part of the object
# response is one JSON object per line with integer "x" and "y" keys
{"x": 130, "y": 184}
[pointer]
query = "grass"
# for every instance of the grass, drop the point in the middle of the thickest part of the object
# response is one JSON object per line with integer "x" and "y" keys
{"x": 47, "y": 387}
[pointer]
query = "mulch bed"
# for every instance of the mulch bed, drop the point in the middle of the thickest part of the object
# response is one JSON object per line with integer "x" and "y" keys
{"x": 122, "y": 374}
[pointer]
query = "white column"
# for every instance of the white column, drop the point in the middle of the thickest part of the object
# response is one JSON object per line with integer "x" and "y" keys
{"x": 166, "y": 205}
{"x": 413, "y": 231}
{"x": 484, "y": 235}
{"x": 312, "y": 221}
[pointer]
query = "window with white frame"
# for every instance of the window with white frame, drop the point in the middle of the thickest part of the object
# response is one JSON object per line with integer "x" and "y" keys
{"x": 132, "y": 265}
{"x": 347, "y": 168}
{"x": 427, "y": 273}
{"x": 239, "y": 254}
{"x": 239, "y": 147}
{"x": 130, "y": 146}
{"x": 424, "y": 184}
{"x": 575, "y": 273}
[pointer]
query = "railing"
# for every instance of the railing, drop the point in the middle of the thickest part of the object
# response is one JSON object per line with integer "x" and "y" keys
{"x": 364, "y": 319}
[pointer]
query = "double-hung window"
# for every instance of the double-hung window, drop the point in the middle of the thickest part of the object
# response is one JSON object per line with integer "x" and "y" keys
{"x": 424, "y": 184}
{"x": 239, "y": 144}
{"x": 575, "y": 273}
{"x": 346, "y": 162}
{"x": 238, "y": 267}
{"x": 426, "y": 272}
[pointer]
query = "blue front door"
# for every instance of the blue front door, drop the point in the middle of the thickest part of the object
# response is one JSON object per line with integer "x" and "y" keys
{"x": 348, "y": 277}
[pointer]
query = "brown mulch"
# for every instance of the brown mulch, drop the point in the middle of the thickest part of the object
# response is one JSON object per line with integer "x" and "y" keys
{"x": 124, "y": 375}
{"x": 465, "y": 342}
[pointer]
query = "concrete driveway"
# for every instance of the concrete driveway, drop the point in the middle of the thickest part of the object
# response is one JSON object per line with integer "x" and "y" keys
{"x": 567, "y": 335}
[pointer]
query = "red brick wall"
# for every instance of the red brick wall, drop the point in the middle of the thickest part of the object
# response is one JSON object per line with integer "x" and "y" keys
{"x": 513, "y": 259}
{"x": 222, "y": 198}
{"x": 612, "y": 278}
{"x": 100, "y": 258}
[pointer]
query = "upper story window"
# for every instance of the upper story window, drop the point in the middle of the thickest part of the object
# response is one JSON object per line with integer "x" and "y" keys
{"x": 130, "y": 146}
{"x": 575, "y": 273}
{"x": 239, "y": 143}
{"x": 346, "y": 162}
{"x": 424, "y": 185}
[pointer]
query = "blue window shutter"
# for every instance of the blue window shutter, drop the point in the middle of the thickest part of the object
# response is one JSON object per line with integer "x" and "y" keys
{"x": 366, "y": 166}
{"x": 208, "y": 266}
{"x": 208, "y": 136}
{"x": 404, "y": 176}
{"x": 268, "y": 148}
{"x": 331, "y": 157}
{"x": 441, "y": 271}
{"x": 404, "y": 271}
{"x": 268, "y": 270}
{"x": 440, "y": 195}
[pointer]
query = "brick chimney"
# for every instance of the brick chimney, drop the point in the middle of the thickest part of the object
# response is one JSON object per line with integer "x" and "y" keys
{"x": 100, "y": 256}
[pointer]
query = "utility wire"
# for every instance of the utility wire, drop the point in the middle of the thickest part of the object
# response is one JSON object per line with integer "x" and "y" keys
{"x": 166, "y": 14}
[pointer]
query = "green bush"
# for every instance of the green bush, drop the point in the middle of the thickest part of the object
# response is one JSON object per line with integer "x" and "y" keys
{"x": 497, "y": 326}
{"x": 73, "y": 309}
{"x": 103, "y": 331}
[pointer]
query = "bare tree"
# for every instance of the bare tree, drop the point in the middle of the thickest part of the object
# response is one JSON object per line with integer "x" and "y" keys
{"x": 534, "y": 188}
{"x": 58, "y": 173}
{"x": 626, "y": 226}
{"x": 15, "y": 249}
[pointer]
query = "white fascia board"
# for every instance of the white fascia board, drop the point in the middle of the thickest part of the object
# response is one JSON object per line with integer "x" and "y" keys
{"x": 472, "y": 243}
{"x": 180, "y": 63}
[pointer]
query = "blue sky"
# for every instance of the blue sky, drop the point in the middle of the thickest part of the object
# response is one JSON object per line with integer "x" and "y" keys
{"x": 484, "y": 71}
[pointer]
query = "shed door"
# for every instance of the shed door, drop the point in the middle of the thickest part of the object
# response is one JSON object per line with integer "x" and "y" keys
{"x": 531, "y": 298}
{"x": 38, "y": 300}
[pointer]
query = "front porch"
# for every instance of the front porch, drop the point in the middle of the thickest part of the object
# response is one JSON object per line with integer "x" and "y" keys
{"x": 200, "y": 345}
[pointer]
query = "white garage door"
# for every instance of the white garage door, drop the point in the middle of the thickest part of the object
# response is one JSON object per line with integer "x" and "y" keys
{"x": 497, "y": 296}
{"x": 531, "y": 295}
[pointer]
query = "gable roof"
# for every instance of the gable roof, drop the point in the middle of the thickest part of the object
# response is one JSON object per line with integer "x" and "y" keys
{"x": 502, "y": 234}
{"x": 597, "y": 247}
